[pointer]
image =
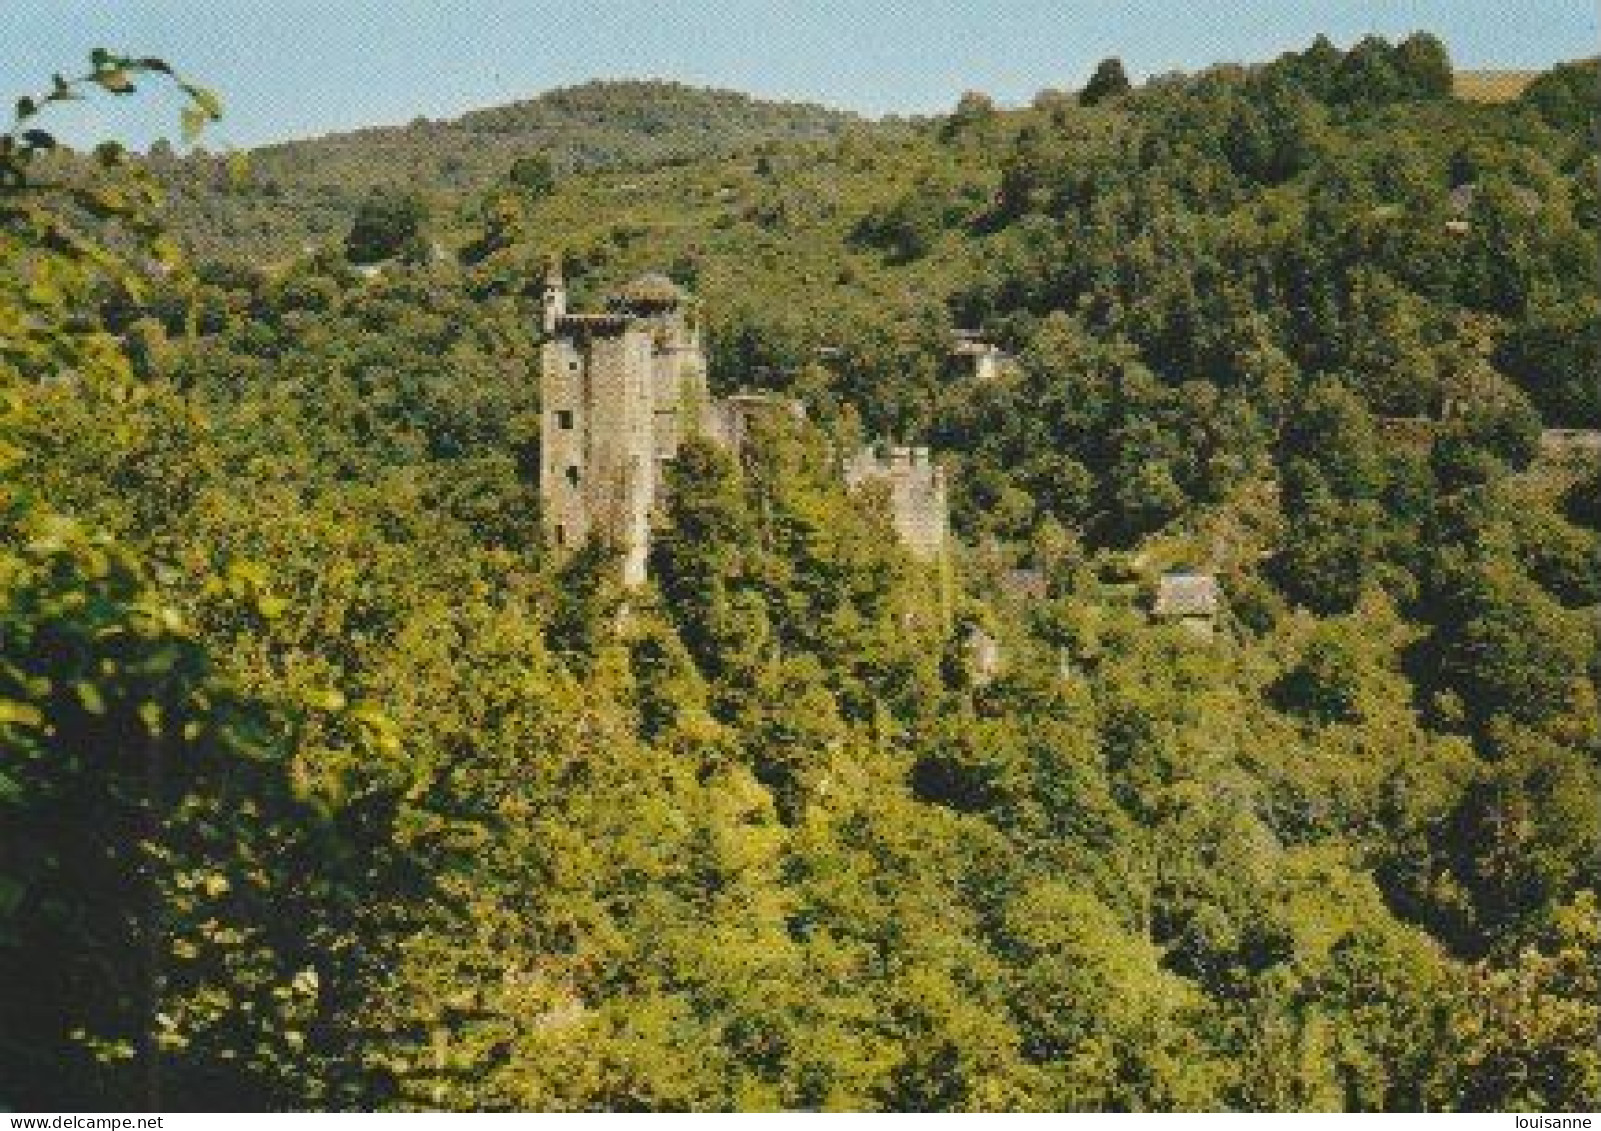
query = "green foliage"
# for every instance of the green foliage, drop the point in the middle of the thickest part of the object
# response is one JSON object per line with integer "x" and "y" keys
{"x": 533, "y": 174}
{"x": 1329, "y": 682}
{"x": 52, "y": 218}
{"x": 1553, "y": 356}
{"x": 1424, "y": 65}
{"x": 389, "y": 225}
{"x": 1565, "y": 97}
{"x": 1511, "y": 651}
{"x": 166, "y": 892}
{"x": 1108, "y": 81}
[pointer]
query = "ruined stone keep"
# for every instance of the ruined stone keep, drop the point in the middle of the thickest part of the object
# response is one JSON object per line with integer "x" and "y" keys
{"x": 622, "y": 388}
{"x": 619, "y": 390}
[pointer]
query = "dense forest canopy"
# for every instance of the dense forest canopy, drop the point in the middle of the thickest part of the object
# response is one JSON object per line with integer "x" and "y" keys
{"x": 327, "y": 783}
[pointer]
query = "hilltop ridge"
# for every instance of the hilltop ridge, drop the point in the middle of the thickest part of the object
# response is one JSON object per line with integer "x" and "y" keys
{"x": 306, "y": 190}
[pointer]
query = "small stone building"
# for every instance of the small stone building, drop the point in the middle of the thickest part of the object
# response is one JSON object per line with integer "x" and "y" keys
{"x": 987, "y": 358}
{"x": 985, "y": 660}
{"x": 1193, "y": 600}
{"x": 1025, "y": 586}
{"x": 1566, "y": 441}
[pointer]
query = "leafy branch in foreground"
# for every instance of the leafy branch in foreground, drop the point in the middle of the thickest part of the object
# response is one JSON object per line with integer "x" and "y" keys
{"x": 50, "y": 252}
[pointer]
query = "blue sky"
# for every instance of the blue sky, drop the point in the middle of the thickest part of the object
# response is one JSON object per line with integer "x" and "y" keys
{"x": 289, "y": 68}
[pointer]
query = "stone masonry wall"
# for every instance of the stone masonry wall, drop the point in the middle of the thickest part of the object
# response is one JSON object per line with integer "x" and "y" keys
{"x": 917, "y": 495}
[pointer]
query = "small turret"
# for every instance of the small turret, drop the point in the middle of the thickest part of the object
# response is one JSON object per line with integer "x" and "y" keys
{"x": 553, "y": 297}
{"x": 652, "y": 293}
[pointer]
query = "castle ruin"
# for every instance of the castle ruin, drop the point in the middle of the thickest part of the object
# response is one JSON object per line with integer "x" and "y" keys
{"x": 620, "y": 391}
{"x": 917, "y": 497}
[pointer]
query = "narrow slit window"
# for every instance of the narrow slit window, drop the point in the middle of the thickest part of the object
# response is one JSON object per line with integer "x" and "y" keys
{"x": 561, "y": 535}
{"x": 572, "y": 475}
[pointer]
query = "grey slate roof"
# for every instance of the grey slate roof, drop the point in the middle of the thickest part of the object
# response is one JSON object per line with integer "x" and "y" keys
{"x": 1186, "y": 595}
{"x": 1025, "y": 584}
{"x": 652, "y": 289}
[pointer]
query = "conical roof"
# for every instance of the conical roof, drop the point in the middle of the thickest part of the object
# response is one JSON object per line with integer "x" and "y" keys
{"x": 652, "y": 289}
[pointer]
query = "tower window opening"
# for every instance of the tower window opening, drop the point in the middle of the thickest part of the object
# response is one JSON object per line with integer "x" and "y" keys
{"x": 572, "y": 475}
{"x": 561, "y": 535}
{"x": 564, "y": 419}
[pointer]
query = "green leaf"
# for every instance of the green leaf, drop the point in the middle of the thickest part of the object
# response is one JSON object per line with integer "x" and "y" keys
{"x": 61, "y": 91}
{"x": 115, "y": 80}
{"x": 24, "y": 714}
{"x": 102, "y": 203}
{"x": 166, "y": 250}
{"x": 206, "y": 101}
{"x": 215, "y": 884}
{"x": 89, "y": 695}
{"x": 26, "y": 108}
{"x": 192, "y": 120}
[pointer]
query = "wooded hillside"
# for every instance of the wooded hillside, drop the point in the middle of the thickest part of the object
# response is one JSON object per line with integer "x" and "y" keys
{"x": 328, "y": 783}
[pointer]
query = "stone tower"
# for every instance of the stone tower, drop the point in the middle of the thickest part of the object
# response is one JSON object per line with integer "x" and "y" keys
{"x": 553, "y": 297}
{"x": 619, "y": 391}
